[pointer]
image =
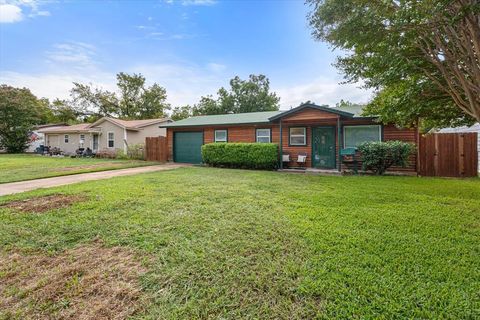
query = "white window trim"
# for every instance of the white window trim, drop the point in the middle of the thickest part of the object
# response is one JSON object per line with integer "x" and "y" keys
{"x": 304, "y": 136}
{"x": 269, "y": 135}
{"x": 66, "y": 138}
{"x": 82, "y": 135}
{"x": 226, "y": 135}
{"x": 362, "y": 125}
{"x": 108, "y": 139}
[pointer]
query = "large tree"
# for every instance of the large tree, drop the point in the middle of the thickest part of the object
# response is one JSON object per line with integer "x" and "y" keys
{"x": 134, "y": 99}
{"x": 20, "y": 111}
{"x": 421, "y": 57}
{"x": 250, "y": 95}
{"x": 137, "y": 101}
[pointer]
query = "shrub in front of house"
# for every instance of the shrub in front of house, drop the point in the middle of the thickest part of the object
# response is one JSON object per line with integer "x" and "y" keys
{"x": 379, "y": 156}
{"x": 241, "y": 155}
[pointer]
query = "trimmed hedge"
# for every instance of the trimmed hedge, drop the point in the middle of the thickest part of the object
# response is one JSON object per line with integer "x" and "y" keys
{"x": 241, "y": 155}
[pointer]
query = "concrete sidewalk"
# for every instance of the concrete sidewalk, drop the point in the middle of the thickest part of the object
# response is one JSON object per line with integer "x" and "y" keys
{"x": 22, "y": 186}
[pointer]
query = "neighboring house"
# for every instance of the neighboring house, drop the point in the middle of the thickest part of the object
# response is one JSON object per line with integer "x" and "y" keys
{"x": 318, "y": 131}
{"x": 104, "y": 134}
{"x": 36, "y": 138}
{"x": 474, "y": 128}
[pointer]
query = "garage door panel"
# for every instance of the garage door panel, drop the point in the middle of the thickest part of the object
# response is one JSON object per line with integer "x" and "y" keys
{"x": 187, "y": 147}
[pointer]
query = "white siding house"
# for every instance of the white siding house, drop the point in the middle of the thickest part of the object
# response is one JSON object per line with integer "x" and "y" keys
{"x": 105, "y": 134}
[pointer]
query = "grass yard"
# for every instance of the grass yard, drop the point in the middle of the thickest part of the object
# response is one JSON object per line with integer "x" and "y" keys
{"x": 19, "y": 167}
{"x": 201, "y": 243}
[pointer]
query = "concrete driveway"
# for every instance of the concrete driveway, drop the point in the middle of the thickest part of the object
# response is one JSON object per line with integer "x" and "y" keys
{"x": 22, "y": 186}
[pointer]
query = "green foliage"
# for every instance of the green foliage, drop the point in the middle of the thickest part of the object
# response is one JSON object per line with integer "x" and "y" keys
{"x": 387, "y": 45}
{"x": 136, "y": 151}
{"x": 63, "y": 112}
{"x": 20, "y": 111}
{"x": 241, "y": 155}
{"x": 179, "y": 113}
{"x": 18, "y": 167}
{"x": 250, "y": 95}
{"x": 134, "y": 101}
{"x": 379, "y": 156}
{"x": 231, "y": 244}
{"x": 137, "y": 101}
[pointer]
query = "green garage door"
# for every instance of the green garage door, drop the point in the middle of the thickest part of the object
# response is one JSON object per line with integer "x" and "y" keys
{"x": 187, "y": 147}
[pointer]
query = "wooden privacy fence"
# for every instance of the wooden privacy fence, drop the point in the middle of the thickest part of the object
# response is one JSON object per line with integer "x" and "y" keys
{"x": 448, "y": 155}
{"x": 156, "y": 149}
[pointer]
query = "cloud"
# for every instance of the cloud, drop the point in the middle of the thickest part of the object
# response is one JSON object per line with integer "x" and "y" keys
{"x": 42, "y": 13}
{"x": 55, "y": 85}
{"x": 10, "y": 13}
{"x": 216, "y": 67}
{"x": 14, "y": 10}
{"x": 321, "y": 91}
{"x": 198, "y": 2}
{"x": 79, "y": 53}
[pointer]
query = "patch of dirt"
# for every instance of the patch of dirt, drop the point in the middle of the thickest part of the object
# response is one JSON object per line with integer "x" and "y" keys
{"x": 45, "y": 203}
{"x": 88, "y": 282}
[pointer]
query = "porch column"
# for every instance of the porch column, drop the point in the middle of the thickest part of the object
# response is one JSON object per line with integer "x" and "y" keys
{"x": 339, "y": 143}
{"x": 281, "y": 145}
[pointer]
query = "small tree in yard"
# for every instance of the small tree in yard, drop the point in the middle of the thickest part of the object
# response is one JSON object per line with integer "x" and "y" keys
{"x": 379, "y": 156}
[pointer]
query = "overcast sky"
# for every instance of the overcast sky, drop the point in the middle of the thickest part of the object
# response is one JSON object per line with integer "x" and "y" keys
{"x": 191, "y": 47}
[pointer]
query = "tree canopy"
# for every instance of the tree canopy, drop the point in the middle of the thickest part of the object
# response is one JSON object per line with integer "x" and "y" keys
{"x": 134, "y": 99}
{"x": 252, "y": 95}
{"x": 421, "y": 57}
{"x": 20, "y": 111}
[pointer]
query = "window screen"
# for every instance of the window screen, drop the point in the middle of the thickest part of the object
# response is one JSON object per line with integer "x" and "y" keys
{"x": 298, "y": 136}
{"x": 220, "y": 135}
{"x": 263, "y": 135}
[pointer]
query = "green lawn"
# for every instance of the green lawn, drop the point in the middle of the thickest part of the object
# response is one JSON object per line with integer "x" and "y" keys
{"x": 231, "y": 244}
{"x": 19, "y": 167}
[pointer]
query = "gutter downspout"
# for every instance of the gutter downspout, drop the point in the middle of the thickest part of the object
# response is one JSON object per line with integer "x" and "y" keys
{"x": 339, "y": 142}
{"x": 125, "y": 146}
{"x": 281, "y": 145}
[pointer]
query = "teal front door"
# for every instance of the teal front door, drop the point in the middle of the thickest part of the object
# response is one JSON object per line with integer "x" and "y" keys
{"x": 323, "y": 147}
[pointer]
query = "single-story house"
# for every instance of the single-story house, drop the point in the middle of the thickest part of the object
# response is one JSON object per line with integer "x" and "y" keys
{"x": 320, "y": 132}
{"x": 36, "y": 138}
{"x": 474, "y": 128}
{"x": 104, "y": 134}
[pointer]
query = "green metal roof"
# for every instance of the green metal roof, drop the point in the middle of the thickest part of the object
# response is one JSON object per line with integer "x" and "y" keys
{"x": 259, "y": 117}
{"x": 356, "y": 109}
{"x": 225, "y": 119}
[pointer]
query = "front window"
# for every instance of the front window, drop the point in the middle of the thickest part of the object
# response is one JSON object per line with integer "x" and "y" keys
{"x": 65, "y": 138}
{"x": 263, "y": 135}
{"x": 82, "y": 138}
{"x": 298, "y": 136}
{"x": 111, "y": 140}
{"x": 220, "y": 135}
{"x": 355, "y": 135}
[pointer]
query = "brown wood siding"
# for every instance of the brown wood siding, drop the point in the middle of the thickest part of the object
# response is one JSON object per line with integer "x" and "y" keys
{"x": 309, "y": 114}
{"x": 246, "y": 133}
